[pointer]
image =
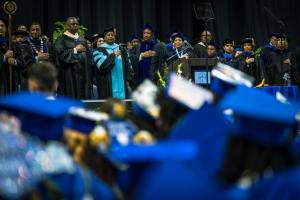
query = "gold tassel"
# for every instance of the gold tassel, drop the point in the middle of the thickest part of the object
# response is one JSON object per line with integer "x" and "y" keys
{"x": 261, "y": 84}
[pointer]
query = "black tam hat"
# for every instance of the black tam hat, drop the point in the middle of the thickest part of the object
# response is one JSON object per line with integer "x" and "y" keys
{"x": 20, "y": 32}
{"x": 214, "y": 44}
{"x": 228, "y": 41}
{"x": 107, "y": 30}
{"x": 247, "y": 40}
{"x": 177, "y": 35}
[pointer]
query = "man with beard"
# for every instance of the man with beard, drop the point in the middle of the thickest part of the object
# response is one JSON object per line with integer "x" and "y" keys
{"x": 74, "y": 63}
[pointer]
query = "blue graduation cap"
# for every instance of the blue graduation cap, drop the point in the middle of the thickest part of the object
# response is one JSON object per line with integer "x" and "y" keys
{"x": 228, "y": 41}
{"x": 177, "y": 35}
{"x": 144, "y": 97}
{"x": 214, "y": 44}
{"x": 259, "y": 116}
{"x": 227, "y": 78}
{"x": 83, "y": 120}
{"x": 274, "y": 34}
{"x": 39, "y": 115}
{"x": 247, "y": 40}
{"x": 134, "y": 37}
{"x": 149, "y": 27}
{"x": 186, "y": 93}
{"x": 107, "y": 30}
{"x": 182, "y": 150}
{"x": 207, "y": 127}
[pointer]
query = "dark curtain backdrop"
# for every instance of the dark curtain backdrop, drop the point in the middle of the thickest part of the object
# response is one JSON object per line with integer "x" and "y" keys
{"x": 233, "y": 18}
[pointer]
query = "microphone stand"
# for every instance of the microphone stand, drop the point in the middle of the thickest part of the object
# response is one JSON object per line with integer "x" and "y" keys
{"x": 169, "y": 58}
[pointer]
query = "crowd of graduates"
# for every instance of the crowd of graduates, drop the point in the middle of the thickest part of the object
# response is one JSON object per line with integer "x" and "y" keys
{"x": 98, "y": 67}
{"x": 181, "y": 141}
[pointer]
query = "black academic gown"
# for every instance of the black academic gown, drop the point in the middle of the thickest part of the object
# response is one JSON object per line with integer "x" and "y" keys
{"x": 164, "y": 57}
{"x": 275, "y": 69}
{"x": 134, "y": 59}
{"x": 142, "y": 68}
{"x": 199, "y": 51}
{"x": 103, "y": 73}
{"x": 252, "y": 69}
{"x": 28, "y": 58}
{"x": 73, "y": 69}
{"x": 4, "y": 69}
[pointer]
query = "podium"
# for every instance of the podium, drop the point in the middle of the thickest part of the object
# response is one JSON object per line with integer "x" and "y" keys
{"x": 196, "y": 69}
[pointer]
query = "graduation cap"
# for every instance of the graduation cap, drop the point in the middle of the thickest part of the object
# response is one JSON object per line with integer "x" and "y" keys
{"x": 107, "y": 30}
{"x": 227, "y": 78}
{"x": 281, "y": 36}
{"x": 180, "y": 181}
{"x": 182, "y": 150}
{"x": 247, "y": 40}
{"x": 134, "y": 37}
{"x": 259, "y": 116}
{"x": 177, "y": 35}
{"x": 144, "y": 97}
{"x": 186, "y": 93}
{"x": 274, "y": 34}
{"x": 203, "y": 126}
{"x": 213, "y": 44}
{"x": 228, "y": 41}
{"x": 93, "y": 37}
{"x": 39, "y": 115}
{"x": 149, "y": 27}
{"x": 20, "y": 32}
{"x": 83, "y": 120}
{"x": 173, "y": 32}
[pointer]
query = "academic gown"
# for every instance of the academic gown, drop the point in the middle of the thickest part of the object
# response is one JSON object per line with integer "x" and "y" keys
{"x": 275, "y": 69}
{"x": 165, "y": 56}
{"x": 252, "y": 69}
{"x": 200, "y": 51}
{"x": 29, "y": 59}
{"x": 73, "y": 69}
{"x": 112, "y": 72}
{"x": 4, "y": 68}
{"x": 143, "y": 67}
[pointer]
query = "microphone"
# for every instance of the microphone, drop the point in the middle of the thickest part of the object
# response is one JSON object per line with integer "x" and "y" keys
{"x": 188, "y": 44}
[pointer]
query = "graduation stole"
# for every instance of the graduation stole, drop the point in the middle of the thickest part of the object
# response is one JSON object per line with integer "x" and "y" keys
{"x": 178, "y": 52}
{"x": 146, "y": 46}
{"x": 37, "y": 46}
{"x": 227, "y": 56}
